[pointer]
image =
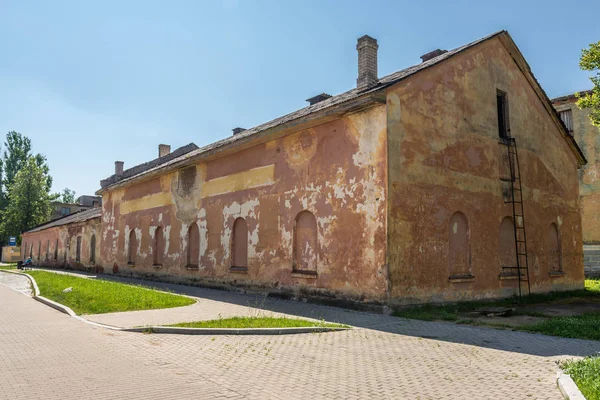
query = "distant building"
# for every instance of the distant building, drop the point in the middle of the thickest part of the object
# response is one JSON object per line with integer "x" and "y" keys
{"x": 587, "y": 136}
{"x": 90, "y": 201}
{"x": 83, "y": 203}
{"x": 61, "y": 209}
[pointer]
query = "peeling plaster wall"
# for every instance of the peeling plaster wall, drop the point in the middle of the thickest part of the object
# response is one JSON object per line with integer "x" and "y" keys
{"x": 336, "y": 170}
{"x": 445, "y": 157}
{"x": 588, "y": 138}
{"x": 67, "y": 245}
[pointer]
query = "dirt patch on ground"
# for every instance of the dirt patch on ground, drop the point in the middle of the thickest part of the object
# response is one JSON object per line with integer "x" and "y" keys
{"x": 528, "y": 315}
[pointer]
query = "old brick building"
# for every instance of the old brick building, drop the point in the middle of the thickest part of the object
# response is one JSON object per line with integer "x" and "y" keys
{"x": 580, "y": 126}
{"x": 400, "y": 190}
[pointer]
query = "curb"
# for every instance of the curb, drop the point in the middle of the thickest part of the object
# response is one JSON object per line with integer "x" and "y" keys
{"x": 231, "y": 331}
{"x": 176, "y": 330}
{"x": 567, "y": 387}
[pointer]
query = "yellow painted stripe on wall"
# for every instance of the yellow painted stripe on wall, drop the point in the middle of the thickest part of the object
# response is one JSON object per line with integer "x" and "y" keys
{"x": 252, "y": 178}
{"x": 146, "y": 202}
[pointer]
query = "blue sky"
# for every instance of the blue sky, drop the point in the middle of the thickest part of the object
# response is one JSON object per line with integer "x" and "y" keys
{"x": 94, "y": 82}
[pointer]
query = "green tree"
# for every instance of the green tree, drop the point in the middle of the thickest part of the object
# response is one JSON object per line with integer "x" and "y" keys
{"x": 590, "y": 61}
{"x": 28, "y": 200}
{"x": 17, "y": 150}
{"x": 68, "y": 195}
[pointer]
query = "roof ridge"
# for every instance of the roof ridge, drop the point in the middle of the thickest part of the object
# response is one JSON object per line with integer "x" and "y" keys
{"x": 335, "y": 100}
{"x": 78, "y": 216}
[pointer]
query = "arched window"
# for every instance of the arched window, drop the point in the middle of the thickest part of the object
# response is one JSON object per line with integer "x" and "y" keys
{"x": 239, "y": 244}
{"x": 193, "y": 254}
{"x": 305, "y": 243}
{"x": 507, "y": 248}
{"x": 93, "y": 249}
{"x": 458, "y": 239}
{"x": 554, "y": 251}
{"x": 132, "y": 249}
{"x": 159, "y": 246}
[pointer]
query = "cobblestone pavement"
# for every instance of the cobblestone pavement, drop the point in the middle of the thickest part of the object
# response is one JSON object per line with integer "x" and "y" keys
{"x": 47, "y": 355}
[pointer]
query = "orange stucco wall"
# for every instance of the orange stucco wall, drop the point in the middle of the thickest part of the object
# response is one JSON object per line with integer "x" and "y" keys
{"x": 406, "y": 200}
{"x": 42, "y": 245}
{"x": 445, "y": 157}
{"x": 337, "y": 171}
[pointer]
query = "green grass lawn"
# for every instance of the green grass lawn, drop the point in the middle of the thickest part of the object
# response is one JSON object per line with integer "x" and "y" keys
{"x": 582, "y": 326}
{"x": 586, "y": 374}
{"x": 94, "y": 296}
{"x": 8, "y": 266}
{"x": 585, "y": 326}
{"x": 256, "y": 322}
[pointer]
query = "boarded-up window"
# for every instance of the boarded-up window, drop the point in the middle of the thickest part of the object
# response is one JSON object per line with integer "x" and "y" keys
{"x": 78, "y": 254}
{"x": 93, "y": 249}
{"x": 39, "y": 251}
{"x": 567, "y": 118}
{"x": 458, "y": 240}
{"x": 507, "y": 250}
{"x": 56, "y": 251}
{"x": 48, "y": 251}
{"x": 554, "y": 253}
{"x": 239, "y": 245}
{"x": 159, "y": 246}
{"x": 305, "y": 243}
{"x": 193, "y": 246}
{"x": 31, "y": 251}
{"x": 132, "y": 249}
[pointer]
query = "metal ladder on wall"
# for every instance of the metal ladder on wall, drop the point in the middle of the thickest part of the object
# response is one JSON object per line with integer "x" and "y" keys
{"x": 518, "y": 218}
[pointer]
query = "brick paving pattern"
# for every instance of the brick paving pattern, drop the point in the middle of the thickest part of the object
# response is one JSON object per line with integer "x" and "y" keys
{"x": 47, "y": 355}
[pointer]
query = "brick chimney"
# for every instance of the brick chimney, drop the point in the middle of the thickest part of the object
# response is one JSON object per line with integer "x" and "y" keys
{"x": 367, "y": 62}
{"x": 163, "y": 150}
{"x": 119, "y": 168}
{"x": 238, "y": 130}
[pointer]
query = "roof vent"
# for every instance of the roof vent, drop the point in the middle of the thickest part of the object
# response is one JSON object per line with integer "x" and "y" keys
{"x": 432, "y": 54}
{"x": 238, "y": 130}
{"x": 318, "y": 98}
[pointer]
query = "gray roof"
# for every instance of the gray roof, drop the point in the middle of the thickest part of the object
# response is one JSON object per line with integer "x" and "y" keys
{"x": 70, "y": 219}
{"x": 352, "y": 94}
{"x": 571, "y": 96}
{"x": 141, "y": 168}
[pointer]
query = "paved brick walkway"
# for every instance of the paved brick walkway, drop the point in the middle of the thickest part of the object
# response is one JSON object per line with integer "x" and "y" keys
{"x": 16, "y": 282}
{"x": 46, "y": 355}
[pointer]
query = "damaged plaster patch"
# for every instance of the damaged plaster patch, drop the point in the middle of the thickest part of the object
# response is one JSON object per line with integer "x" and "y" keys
{"x": 183, "y": 236}
{"x": 167, "y": 237}
{"x": 202, "y": 224}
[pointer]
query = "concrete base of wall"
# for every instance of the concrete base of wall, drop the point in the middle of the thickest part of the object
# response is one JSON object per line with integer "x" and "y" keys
{"x": 591, "y": 260}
